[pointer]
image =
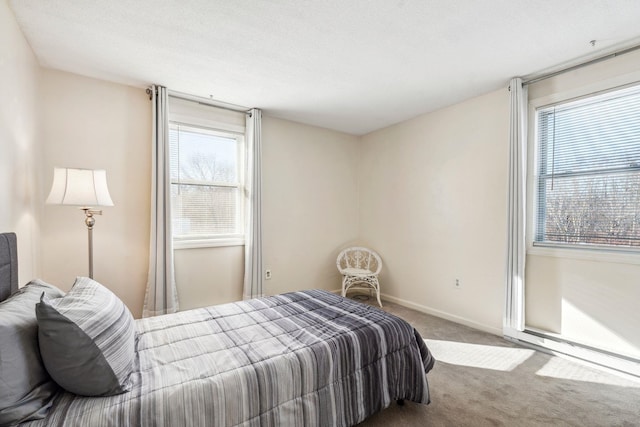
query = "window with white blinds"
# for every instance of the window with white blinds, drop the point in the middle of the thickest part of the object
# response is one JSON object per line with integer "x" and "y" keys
{"x": 206, "y": 183}
{"x": 588, "y": 171}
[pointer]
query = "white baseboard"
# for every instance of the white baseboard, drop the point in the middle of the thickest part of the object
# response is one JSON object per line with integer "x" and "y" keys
{"x": 442, "y": 314}
{"x": 438, "y": 313}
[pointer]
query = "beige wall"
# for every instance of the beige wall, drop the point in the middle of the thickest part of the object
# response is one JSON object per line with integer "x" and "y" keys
{"x": 310, "y": 199}
{"x": 428, "y": 194}
{"x": 589, "y": 301}
{"x": 433, "y": 204}
{"x": 91, "y": 123}
{"x": 20, "y": 141}
{"x": 309, "y": 213}
{"x": 587, "y": 297}
{"x": 94, "y": 124}
{"x": 310, "y": 203}
{"x": 209, "y": 276}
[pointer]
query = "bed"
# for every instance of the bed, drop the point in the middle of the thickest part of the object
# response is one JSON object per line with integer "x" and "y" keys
{"x": 308, "y": 358}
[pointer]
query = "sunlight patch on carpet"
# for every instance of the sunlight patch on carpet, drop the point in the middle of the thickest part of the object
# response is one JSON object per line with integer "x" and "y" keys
{"x": 478, "y": 355}
{"x": 561, "y": 368}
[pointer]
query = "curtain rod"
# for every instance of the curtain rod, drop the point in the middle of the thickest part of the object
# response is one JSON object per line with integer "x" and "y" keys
{"x": 583, "y": 64}
{"x": 208, "y": 102}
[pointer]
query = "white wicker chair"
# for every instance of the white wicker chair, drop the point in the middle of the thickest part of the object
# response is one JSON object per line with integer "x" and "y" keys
{"x": 359, "y": 268}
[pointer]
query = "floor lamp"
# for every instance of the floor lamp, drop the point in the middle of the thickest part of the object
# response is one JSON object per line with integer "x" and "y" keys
{"x": 85, "y": 188}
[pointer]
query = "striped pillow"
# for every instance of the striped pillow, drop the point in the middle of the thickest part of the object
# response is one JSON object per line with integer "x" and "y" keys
{"x": 87, "y": 339}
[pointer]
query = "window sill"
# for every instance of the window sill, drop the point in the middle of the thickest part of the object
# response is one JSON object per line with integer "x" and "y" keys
{"x": 207, "y": 243}
{"x": 601, "y": 254}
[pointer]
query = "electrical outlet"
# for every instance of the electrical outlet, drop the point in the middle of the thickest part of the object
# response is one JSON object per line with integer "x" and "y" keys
{"x": 267, "y": 274}
{"x": 458, "y": 285}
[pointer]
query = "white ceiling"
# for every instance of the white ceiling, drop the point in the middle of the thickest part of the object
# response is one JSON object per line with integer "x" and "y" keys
{"x": 349, "y": 65}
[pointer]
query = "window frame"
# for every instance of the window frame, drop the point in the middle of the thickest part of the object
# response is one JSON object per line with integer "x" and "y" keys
{"x": 216, "y": 240}
{"x": 610, "y": 253}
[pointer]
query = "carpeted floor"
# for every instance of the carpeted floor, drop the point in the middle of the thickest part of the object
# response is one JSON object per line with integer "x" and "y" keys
{"x": 483, "y": 380}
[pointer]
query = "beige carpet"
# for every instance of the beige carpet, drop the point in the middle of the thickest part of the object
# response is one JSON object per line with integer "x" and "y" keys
{"x": 482, "y": 380}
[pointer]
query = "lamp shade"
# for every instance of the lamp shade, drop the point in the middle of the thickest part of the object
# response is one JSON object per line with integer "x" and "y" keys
{"x": 79, "y": 187}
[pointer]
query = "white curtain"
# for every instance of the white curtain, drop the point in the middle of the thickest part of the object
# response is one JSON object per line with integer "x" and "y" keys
{"x": 516, "y": 247}
{"x": 161, "y": 296}
{"x": 253, "y": 228}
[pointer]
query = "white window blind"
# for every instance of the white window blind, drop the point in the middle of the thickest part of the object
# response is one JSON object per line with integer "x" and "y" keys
{"x": 206, "y": 184}
{"x": 588, "y": 171}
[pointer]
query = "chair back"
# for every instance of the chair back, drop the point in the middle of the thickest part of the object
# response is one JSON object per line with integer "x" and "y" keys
{"x": 359, "y": 257}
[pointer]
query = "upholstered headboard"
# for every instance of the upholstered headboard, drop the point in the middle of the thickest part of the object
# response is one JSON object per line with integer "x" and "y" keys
{"x": 8, "y": 265}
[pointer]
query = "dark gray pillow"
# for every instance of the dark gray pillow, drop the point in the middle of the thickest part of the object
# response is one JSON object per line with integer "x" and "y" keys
{"x": 26, "y": 390}
{"x": 87, "y": 339}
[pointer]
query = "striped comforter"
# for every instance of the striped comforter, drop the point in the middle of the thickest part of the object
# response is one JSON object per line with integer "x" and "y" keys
{"x": 307, "y": 358}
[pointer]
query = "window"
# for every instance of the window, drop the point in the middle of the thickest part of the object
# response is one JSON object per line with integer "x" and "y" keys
{"x": 206, "y": 184}
{"x": 588, "y": 171}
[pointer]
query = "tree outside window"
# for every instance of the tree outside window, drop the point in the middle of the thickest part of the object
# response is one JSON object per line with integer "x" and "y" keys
{"x": 206, "y": 186}
{"x": 588, "y": 174}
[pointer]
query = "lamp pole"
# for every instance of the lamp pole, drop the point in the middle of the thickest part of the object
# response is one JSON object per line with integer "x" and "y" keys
{"x": 90, "y": 222}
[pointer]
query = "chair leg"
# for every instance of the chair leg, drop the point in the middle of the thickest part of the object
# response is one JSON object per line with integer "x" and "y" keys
{"x": 377, "y": 286}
